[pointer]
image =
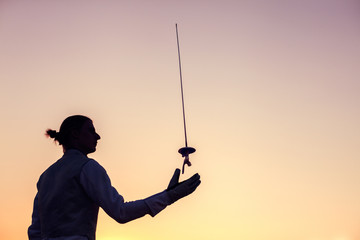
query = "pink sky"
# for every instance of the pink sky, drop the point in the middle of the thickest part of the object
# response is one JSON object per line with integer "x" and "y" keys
{"x": 273, "y": 109}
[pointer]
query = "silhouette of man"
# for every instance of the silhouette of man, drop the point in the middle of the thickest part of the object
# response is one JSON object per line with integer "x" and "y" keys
{"x": 72, "y": 189}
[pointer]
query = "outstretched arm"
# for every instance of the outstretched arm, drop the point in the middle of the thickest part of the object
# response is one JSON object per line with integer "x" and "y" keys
{"x": 98, "y": 186}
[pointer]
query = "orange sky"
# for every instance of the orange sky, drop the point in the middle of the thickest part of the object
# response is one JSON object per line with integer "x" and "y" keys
{"x": 272, "y": 102}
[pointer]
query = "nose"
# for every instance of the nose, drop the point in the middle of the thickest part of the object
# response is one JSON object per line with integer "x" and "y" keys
{"x": 97, "y": 136}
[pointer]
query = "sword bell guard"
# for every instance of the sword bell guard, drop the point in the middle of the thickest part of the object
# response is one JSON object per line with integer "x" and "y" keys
{"x": 185, "y": 151}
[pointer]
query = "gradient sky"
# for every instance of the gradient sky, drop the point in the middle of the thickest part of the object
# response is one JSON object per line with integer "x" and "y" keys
{"x": 272, "y": 102}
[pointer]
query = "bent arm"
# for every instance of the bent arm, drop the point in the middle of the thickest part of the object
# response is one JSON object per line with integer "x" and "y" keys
{"x": 98, "y": 186}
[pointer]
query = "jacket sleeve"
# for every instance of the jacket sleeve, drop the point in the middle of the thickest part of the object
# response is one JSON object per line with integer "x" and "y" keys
{"x": 98, "y": 186}
{"x": 34, "y": 231}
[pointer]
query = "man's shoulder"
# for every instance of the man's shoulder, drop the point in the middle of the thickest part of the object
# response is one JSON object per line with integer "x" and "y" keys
{"x": 92, "y": 166}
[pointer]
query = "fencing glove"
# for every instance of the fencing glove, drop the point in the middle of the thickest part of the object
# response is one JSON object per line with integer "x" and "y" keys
{"x": 178, "y": 190}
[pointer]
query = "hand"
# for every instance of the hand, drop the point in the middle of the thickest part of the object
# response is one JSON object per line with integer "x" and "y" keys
{"x": 178, "y": 190}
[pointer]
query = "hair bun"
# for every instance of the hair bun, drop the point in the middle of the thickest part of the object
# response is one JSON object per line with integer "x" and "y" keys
{"x": 51, "y": 133}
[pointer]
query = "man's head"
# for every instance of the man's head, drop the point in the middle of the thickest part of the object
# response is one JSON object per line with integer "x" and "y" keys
{"x": 76, "y": 132}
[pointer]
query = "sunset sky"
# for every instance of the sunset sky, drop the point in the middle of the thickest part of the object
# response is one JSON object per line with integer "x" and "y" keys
{"x": 272, "y": 97}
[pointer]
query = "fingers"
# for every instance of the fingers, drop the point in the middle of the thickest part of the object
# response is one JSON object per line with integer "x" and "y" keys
{"x": 175, "y": 179}
{"x": 194, "y": 187}
{"x": 193, "y": 182}
{"x": 176, "y": 175}
{"x": 184, "y": 188}
{"x": 195, "y": 177}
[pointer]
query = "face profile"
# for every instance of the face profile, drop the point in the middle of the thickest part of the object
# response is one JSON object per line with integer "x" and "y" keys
{"x": 85, "y": 139}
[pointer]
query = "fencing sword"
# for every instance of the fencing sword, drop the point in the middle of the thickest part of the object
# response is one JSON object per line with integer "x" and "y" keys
{"x": 184, "y": 151}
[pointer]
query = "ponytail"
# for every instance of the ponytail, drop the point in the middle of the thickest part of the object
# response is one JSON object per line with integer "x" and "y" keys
{"x": 52, "y": 134}
{"x": 68, "y": 125}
